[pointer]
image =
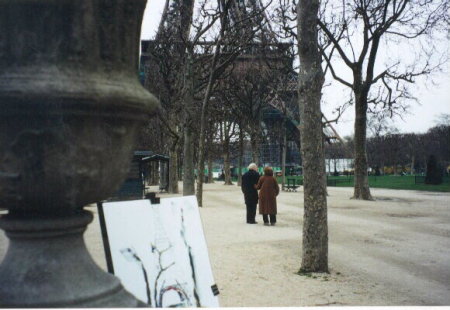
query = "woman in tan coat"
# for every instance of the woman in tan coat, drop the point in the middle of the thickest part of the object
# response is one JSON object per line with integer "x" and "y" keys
{"x": 268, "y": 193}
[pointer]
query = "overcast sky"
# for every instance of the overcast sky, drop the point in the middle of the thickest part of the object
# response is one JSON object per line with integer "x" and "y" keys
{"x": 433, "y": 99}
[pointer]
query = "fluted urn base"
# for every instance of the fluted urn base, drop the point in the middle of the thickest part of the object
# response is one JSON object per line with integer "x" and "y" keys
{"x": 70, "y": 108}
{"x": 48, "y": 265}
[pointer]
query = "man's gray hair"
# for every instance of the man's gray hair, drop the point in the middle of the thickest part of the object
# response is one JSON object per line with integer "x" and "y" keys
{"x": 252, "y": 166}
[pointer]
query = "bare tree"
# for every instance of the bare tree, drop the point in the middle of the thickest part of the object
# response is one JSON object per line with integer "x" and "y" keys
{"x": 188, "y": 124}
{"x": 246, "y": 92}
{"x": 311, "y": 79}
{"x": 334, "y": 152}
{"x": 181, "y": 62}
{"x": 227, "y": 131}
{"x": 207, "y": 19}
{"x": 356, "y": 31}
{"x": 166, "y": 55}
{"x": 235, "y": 33}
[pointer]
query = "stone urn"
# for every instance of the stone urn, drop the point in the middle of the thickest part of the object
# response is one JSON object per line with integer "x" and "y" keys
{"x": 70, "y": 107}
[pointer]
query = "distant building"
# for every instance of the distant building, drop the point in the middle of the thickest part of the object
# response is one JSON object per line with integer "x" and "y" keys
{"x": 339, "y": 165}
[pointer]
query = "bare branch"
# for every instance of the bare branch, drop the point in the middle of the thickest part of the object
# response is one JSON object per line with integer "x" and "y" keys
{"x": 336, "y": 44}
{"x": 333, "y": 73}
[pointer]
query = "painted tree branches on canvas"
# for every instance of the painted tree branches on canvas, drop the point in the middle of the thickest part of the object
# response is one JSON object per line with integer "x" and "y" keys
{"x": 159, "y": 251}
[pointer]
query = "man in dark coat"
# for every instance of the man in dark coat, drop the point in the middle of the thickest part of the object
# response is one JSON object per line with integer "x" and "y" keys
{"x": 249, "y": 180}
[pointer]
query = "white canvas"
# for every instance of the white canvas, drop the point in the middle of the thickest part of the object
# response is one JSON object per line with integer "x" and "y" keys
{"x": 164, "y": 244}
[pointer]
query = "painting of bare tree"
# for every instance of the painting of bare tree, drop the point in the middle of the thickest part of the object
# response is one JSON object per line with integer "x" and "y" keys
{"x": 159, "y": 252}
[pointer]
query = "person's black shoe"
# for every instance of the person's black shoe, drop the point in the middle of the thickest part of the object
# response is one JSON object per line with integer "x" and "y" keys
{"x": 252, "y": 222}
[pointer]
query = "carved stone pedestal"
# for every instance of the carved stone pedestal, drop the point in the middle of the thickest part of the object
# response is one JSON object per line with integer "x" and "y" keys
{"x": 47, "y": 265}
{"x": 70, "y": 107}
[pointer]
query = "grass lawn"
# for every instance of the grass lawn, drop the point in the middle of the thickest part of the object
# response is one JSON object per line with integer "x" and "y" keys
{"x": 387, "y": 181}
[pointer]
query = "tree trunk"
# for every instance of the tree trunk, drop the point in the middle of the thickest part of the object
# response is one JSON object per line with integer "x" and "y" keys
{"x": 188, "y": 163}
{"x": 203, "y": 114}
{"x": 412, "y": 165}
{"x": 283, "y": 157}
{"x": 226, "y": 159}
{"x": 241, "y": 155}
{"x": 361, "y": 186}
{"x": 180, "y": 163}
{"x": 201, "y": 153}
{"x": 163, "y": 174}
{"x": 210, "y": 168}
{"x": 227, "y": 168}
{"x": 188, "y": 145}
{"x": 311, "y": 78}
{"x": 254, "y": 141}
{"x": 173, "y": 169}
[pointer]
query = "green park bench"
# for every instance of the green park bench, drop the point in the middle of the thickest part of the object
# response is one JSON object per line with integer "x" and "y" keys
{"x": 292, "y": 185}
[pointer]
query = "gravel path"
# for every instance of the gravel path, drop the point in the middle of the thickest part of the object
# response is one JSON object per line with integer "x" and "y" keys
{"x": 388, "y": 252}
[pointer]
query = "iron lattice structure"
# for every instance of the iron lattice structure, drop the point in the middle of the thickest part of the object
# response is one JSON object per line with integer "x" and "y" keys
{"x": 265, "y": 53}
